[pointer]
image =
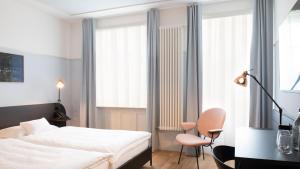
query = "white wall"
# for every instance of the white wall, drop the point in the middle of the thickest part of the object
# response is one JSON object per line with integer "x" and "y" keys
{"x": 122, "y": 118}
{"x": 76, "y": 40}
{"x": 28, "y": 29}
{"x": 75, "y": 70}
{"x": 43, "y": 39}
{"x": 173, "y": 16}
{"x": 288, "y": 100}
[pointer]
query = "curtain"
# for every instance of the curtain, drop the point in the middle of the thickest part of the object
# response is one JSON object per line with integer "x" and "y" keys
{"x": 121, "y": 66}
{"x": 153, "y": 74}
{"x": 88, "y": 92}
{"x": 262, "y": 64}
{"x": 192, "y": 102}
{"x": 226, "y": 53}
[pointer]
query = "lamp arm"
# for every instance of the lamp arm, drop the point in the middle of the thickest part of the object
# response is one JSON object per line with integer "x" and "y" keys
{"x": 268, "y": 94}
{"x": 59, "y": 95}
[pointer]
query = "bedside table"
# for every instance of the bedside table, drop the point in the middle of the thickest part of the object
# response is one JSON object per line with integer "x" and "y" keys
{"x": 58, "y": 123}
{"x": 59, "y": 118}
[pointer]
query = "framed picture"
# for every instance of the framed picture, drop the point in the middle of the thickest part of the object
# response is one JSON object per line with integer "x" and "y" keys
{"x": 11, "y": 67}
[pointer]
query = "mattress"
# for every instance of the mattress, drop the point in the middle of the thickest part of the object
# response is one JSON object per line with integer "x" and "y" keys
{"x": 129, "y": 154}
{"x": 122, "y": 144}
{"x": 16, "y": 154}
{"x": 103, "y": 165}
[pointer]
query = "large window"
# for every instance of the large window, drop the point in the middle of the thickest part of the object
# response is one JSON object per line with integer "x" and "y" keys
{"x": 121, "y": 66}
{"x": 226, "y": 53}
{"x": 289, "y": 49}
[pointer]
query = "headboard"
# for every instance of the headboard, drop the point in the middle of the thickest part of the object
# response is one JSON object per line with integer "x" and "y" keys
{"x": 13, "y": 115}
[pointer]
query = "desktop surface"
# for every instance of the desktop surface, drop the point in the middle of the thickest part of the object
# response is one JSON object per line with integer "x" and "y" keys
{"x": 256, "y": 148}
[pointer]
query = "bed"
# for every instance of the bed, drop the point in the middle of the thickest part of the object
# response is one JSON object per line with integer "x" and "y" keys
{"x": 16, "y": 154}
{"x": 122, "y": 144}
{"x": 133, "y": 158}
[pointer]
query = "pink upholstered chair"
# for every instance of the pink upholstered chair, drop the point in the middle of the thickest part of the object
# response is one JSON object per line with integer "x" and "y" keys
{"x": 209, "y": 125}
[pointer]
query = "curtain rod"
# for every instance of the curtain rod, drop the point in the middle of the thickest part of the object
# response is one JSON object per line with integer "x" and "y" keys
{"x": 119, "y": 7}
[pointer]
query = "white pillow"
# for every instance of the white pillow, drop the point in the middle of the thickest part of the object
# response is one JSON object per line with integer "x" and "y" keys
{"x": 12, "y": 132}
{"x": 36, "y": 126}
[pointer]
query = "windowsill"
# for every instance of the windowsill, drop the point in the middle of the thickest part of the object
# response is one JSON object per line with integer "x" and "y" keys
{"x": 120, "y": 107}
{"x": 290, "y": 91}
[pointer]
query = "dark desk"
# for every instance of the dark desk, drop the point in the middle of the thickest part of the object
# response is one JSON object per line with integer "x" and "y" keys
{"x": 256, "y": 149}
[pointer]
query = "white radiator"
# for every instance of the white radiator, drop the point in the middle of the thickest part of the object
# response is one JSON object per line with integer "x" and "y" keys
{"x": 171, "y": 81}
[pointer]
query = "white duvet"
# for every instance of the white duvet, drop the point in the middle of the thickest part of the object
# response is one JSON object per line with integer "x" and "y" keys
{"x": 17, "y": 154}
{"x": 115, "y": 142}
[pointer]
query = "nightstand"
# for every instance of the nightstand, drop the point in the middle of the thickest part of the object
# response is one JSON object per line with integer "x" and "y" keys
{"x": 60, "y": 118}
{"x": 58, "y": 123}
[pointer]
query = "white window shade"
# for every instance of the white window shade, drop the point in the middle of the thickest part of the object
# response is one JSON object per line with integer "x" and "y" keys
{"x": 226, "y": 54}
{"x": 121, "y": 67}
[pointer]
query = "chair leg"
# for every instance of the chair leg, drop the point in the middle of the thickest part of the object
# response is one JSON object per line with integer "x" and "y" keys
{"x": 180, "y": 154}
{"x": 197, "y": 157}
{"x": 202, "y": 152}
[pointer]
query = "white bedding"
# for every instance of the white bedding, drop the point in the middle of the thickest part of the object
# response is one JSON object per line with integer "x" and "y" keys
{"x": 116, "y": 142}
{"x": 17, "y": 154}
{"x": 129, "y": 154}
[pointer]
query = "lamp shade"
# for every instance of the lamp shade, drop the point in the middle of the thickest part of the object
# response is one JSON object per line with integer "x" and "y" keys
{"x": 60, "y": 84}
{"x": 242, "y": 79}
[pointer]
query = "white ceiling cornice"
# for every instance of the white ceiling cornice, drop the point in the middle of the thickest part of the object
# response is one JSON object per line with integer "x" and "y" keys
{"x": 68, "y": 10}
{"x": 132, "y": 9}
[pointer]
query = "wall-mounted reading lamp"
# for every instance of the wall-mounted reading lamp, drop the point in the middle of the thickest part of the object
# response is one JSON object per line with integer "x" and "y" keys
{"x": 60, "y": 116}
{"x": 60, "y": 84}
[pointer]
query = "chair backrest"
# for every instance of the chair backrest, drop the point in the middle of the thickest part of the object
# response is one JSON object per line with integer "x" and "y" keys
{"x": 211, "y": 119}
{"x": 222, "y": 154}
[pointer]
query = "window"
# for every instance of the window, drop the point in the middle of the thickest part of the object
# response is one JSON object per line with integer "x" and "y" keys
{"x": 289, "y": 49}
{"x": 121, "y": 66}
{"x": 226, "y": 53}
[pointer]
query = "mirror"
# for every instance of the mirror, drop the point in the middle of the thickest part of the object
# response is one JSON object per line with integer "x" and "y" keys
{"x": 289, "y": 51}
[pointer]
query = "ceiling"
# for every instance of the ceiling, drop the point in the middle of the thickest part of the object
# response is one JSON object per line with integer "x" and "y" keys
{"x": 82, "y": 8}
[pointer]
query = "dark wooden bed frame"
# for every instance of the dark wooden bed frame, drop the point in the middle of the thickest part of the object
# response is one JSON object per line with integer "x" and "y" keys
{"x": 13, "y": 115}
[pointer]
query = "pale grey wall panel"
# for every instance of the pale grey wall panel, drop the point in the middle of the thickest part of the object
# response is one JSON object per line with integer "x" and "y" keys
{"x": 75, "y": 77}
{"x": 40, "y": 76}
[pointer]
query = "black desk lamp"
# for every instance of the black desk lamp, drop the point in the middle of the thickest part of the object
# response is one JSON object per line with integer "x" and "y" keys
{"x": 242, "y": 80}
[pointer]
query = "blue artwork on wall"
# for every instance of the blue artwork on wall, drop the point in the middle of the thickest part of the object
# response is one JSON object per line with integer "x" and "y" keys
{"x": 11, "y": 67}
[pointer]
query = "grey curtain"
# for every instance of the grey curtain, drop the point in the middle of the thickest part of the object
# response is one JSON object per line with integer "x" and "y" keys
{"x": 193, "y": 72}
{"x": 88, "y": 93}
{"x": 262, "y": 64}
{"x": 153, "y": 74}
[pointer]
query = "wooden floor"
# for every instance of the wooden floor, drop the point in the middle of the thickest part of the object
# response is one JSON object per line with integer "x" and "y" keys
{"x": 168, "y": 160}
